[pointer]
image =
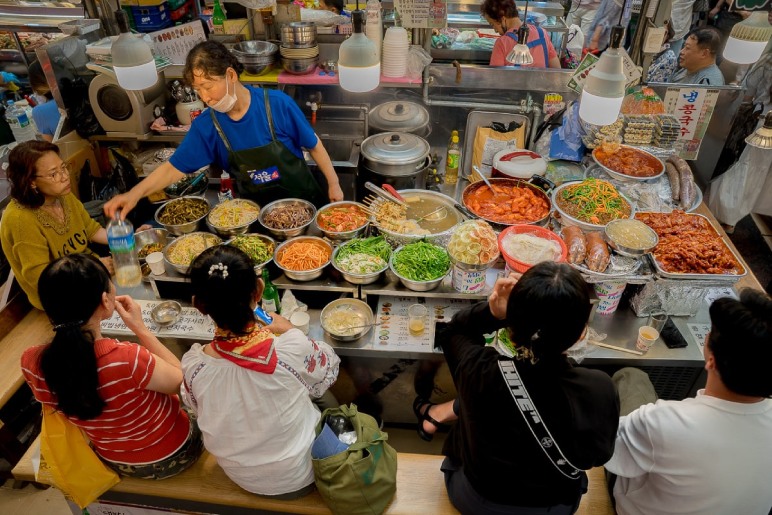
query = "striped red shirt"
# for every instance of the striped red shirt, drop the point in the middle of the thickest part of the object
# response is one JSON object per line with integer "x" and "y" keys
{"x": 137, "y": 425}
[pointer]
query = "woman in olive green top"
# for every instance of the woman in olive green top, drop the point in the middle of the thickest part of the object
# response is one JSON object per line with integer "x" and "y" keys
{"x": 44, "y": 220}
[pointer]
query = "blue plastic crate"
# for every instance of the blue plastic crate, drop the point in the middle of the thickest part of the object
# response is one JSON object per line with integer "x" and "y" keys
{"x": 151, "y": 17}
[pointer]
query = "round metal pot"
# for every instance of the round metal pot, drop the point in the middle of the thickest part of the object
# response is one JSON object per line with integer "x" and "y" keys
{"x": 395, "y": 154}
{"x": 509, "y": 183}
{"x": 400, "y": 116}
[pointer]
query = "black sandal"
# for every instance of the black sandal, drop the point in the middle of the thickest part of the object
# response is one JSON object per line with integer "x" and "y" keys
{"x": 418, "y": 403}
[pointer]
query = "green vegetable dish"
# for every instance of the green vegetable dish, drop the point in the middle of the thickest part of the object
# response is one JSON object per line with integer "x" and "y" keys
{"x": 421, "y": 261}
{"x": 363, "y": 256}
{"x": 259, "y": 249}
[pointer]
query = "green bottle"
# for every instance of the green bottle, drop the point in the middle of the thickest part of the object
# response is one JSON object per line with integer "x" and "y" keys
{"x": 270, "y": 302}
{"x": 218, "y": 18}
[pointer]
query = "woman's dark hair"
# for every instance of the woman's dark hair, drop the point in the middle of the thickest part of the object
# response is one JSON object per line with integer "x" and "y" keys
{"x": 741, "y": 342}
{"x": 22, "y": 168}
{"x": 499, "y": 9}
{"x": 70, "y": 290}
{"x": 224, "y": 284}
{"x": 38, "y": 81}
{"x": 338, "y": 5}
{"x": 212, "y": 58}
{"x": 548, "y": 309}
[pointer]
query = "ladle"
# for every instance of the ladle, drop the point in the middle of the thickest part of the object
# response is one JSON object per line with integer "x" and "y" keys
{"x": 486, "y": 181}
{"x": 435, "y": 216}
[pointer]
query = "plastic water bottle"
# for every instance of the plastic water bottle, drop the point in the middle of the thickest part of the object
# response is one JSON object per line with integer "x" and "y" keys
{"x": 20, "y": 121}
{"x": 120, "y": 238}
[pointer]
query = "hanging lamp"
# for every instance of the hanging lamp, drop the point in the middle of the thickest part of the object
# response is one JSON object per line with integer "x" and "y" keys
{"x": 748, "y": 39}
{"x": 520, "y": 53}
{"x": 132, "y": 59}
{"x": 604, "y": 89}
{"x": 762, "y": 137}
{"x": 359, "y": 65}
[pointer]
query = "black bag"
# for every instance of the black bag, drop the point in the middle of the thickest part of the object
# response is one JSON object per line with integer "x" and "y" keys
{"x": 743, "y": 125}
{"x": 79, "y": 110}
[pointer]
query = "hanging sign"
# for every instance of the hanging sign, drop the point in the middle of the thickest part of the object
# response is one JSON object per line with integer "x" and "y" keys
{"x": 751, "y": 5}
{"x": 577, "y": 80}
{"x": 693, "y": 107}
{"x": 174, "y": 43}
{"x": 422, "y": 14}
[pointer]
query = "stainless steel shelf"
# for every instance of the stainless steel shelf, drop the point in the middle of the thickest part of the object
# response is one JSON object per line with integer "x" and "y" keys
{"x": 390, "y": 285}
{"x": 322, "y": 284}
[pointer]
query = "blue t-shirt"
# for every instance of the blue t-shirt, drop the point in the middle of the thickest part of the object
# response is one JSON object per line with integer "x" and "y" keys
{"x": 203, "y": 146}
{"x": 46, "y": 117}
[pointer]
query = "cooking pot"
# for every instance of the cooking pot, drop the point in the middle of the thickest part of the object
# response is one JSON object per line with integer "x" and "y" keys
{"x": 399, "y": 116}
{"x": 538, "y": 184}
{"x": 518, "y": 164}
{"x": 396, "y": 158}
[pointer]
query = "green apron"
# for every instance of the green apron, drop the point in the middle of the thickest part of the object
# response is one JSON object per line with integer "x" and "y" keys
{"x": 270, "y": 172}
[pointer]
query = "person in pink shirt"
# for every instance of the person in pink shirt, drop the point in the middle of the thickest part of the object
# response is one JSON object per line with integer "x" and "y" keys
{"x": 504, "y": 18}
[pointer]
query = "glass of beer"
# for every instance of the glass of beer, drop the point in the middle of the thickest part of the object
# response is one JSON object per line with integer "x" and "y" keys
{"x": 417, "y": 315}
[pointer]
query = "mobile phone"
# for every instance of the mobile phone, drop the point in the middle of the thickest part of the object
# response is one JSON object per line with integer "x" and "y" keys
{"x": 263, "y": 316}
{"x": 672, "y": 336}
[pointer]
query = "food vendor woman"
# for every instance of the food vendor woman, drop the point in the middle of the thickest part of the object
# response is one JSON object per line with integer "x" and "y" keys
{"x": 256, "y": 134}
{"x": 503, "y": 17}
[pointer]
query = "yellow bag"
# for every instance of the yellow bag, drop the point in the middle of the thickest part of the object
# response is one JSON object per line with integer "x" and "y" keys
{"x": 68, "y": 463}
{"x": 487, "y": 142}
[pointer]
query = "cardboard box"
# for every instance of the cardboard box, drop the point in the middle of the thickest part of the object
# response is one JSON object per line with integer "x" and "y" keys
{"x": 75, "y": 151}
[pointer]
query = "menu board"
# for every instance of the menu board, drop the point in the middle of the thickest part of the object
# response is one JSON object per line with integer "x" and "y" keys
{"x": 174, "y": 43}
{"x": 393, "y": 333}
{"x": 190, "y": 324}
{"x": 422, "y": 14}
{"x": 699, "y": 333}
{"x": 693, "y": 107}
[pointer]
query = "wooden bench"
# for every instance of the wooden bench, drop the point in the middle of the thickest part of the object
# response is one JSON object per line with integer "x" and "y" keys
{"x": 205, "y": 487}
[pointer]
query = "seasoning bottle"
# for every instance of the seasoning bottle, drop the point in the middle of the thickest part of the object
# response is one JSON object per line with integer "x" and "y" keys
{"x": 218, "y": 18}
{"x": 452, "y": 161}
{"x": 226, "y": 187}
{"x": 271, "y": 302}
{"x": 452, "y": 133}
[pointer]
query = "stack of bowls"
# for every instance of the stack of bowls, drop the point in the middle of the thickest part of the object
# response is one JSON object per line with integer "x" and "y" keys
{"x": 299, "y": 50}
{"x": 256, "y": 56}
{"x": 395, "y": 52}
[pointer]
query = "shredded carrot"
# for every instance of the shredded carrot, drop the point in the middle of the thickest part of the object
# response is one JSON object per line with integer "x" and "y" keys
{"x": 303, "y": 255}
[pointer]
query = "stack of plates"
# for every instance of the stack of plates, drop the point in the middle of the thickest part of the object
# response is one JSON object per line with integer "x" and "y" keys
{"x": 299, "y": 53}
{"x": 395, "y": 52}
{"x": 300, "y": 61}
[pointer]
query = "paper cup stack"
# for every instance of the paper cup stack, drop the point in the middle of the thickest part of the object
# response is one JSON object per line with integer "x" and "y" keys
{"x": 395, "y": 52}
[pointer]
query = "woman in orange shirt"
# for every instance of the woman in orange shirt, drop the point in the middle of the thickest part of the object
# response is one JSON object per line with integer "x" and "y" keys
{"x": 504, "y": 18}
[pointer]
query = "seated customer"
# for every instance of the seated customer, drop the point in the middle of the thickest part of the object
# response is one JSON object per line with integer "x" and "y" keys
{"x": 698, "y": 59}
{"x": 495, "y": 463}
{"x": 251, "y": 386}
{"x": 121, "y": 394}
{"x": 710, "y": 454}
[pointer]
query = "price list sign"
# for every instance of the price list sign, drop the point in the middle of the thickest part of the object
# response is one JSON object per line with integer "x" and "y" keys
{"x": 190, "y": 324}
{"x": 422, "y": 14}
{"x": 393, "y": 333}
{"x": 693, "y": 107}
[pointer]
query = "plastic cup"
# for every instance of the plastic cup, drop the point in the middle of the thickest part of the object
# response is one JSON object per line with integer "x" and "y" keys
{"x": 657, "y": 321}
{"x": 416, "y": 319}
{"x": 156, "y": 262}
{"x": 609, "y": 294}
{"x": 300, "y": 320}
{"x": 646, "y": 337}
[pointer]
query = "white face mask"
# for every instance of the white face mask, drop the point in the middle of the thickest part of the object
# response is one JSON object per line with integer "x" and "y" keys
{"x": 227, "y": 102}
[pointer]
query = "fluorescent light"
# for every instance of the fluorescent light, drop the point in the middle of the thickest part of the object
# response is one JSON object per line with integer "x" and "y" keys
{"x": 132, "y": 59}
{"x": 359, "y": 65}
{"x": 748, "y": 39}
{"x": 604, "y": 88}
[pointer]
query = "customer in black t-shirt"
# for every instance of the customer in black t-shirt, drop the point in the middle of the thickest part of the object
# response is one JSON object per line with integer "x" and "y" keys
{"x": 494, "y": 462}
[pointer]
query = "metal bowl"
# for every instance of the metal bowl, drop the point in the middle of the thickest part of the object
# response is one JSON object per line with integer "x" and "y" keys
{"x": 342, "y": 235}
{"x": 183, "y": 269}
{"x": 258, "y": 69}
{"x": 357, "y": 278}
{"x": 350, "y": 304}
{"x": 416, "y": 285}
{"x": 507, "y": 182}
{"x": 230, "y": 232}
{"x": 298, "y": 34}
{"x": 302, "y": 275}
{"x": 441, "y": 238}
{"x": 166, "y": 312}
{"x": 300, "y": 66}
{"x": 267, "y": 239}
{"x": 626, "y": 250}
{"x": 247, "y": 49}
{"x": 566, "y": 219}
{"x": 149, "y": 236}
{"x": 643, "y": 156}
{"x": 187, "y": 227}
{"x": 283, "y": 234}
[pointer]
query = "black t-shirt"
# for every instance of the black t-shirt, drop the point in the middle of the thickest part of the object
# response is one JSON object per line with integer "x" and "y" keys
{"x": 500, "y": 456}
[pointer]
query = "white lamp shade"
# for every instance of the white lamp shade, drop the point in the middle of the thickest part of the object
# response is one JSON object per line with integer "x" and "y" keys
{"x": 133, "y": 62}
{"x": 604, "y": 90}
{"x": 743, "y": 52}
{"x": 136, "y": 77}
{"x": 520, "y": 55}
{"x": 599, "y": 110}
{"x": 359, "y": 79}
{"x": 359, "y": 65}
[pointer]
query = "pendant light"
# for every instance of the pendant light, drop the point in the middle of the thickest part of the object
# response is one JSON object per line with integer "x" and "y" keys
{"x": 604, "y": 89}
{"x": 520, "y": 53}
{"x": 762, "y": 137}
{"x": 132, "y": 59}
{"x": 748, "y": 39}
{"x": 359, "y": 65}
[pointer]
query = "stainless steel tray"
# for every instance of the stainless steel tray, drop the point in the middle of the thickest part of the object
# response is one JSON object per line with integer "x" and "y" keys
{"x": 483, "y": 119}
{"x": 728, "y": 278}
{"x": 624, "y": 176}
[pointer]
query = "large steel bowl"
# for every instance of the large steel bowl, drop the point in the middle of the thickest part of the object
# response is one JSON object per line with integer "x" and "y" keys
{"x": 507, "y": 182}
{"x": 265, "y": 239}
{"x": 566, "y": 219}
{"x": 187, "y": 227}
{"x": 183, "y": 269}
{"x": 410, "y": 284}
{"x": 441, "y": 238}
{"x": 283, "y": 234}
{"x": 342, "y": 235}
{"x": 302, "y": 275}
{"x": 149, "y": 236}
{"x": 357, "y": 278}
{"x": 253, "y": 49}
{"x": 359, "y": 306}
{"x": 300, "y": 66}
{"x": 643, "y": 155}
{"x": 231, "y": 231}
{"x": 298, "y": 34}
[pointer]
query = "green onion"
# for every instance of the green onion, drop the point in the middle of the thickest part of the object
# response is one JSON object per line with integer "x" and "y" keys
{"x": 255, "y": 247}
{"x": 421, "y": 261}
{"x": 374, "y": 246}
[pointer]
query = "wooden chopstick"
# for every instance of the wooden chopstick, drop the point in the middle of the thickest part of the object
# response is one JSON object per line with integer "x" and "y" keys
{"x": 614, "y": 347}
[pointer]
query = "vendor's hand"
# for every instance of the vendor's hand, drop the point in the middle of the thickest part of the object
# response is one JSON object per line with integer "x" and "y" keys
{"x": 144, "y": 227}
{"x": 335, "y": 193}
{"x": 498, "y": 300}
{"x": 714, "y": 12}
{"x": 280, "y": 325}
{"x": 108, "y": 262}
{"x": 130, "y": 313}
{"x": 124, "y": 202}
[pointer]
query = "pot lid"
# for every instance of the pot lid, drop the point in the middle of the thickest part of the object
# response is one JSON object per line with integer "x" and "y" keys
{"x": 395, "y": 148}
{"x": 519, "y": 163}
{"x": 399, "y": 115}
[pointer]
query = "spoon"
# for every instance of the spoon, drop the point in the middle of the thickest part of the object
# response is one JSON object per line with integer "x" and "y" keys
{"x": 486, "y": 181}
{"x": 441, "y": 212}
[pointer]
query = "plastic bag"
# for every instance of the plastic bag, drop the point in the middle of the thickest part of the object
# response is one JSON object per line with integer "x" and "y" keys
{"x": 68, "y": 463}
{"x": 575, "y": 40}
{"x": 566, "y": 140}
{"x": 734, "y": 194}
{"x": 417, "y": 60}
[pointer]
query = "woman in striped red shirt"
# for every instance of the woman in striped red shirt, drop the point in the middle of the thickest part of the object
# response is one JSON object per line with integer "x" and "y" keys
{"x": 122, "y": 394}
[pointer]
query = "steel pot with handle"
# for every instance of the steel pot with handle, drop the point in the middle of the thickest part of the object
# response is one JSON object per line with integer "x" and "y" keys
{"x": 395, "y": 158}
{"x": 400, "y": 116}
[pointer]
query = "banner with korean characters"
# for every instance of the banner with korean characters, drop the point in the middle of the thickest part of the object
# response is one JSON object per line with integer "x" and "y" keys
{"x": 693, "y": 108}
{"x": 191, "y": 324}
{"x": 422, "y": 14}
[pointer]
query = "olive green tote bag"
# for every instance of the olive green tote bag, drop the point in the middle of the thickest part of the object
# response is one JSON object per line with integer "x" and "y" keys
{"x": 362, "y": 479}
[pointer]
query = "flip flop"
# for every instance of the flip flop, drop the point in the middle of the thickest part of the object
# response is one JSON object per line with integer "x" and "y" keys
{"x": 418, "y": 403}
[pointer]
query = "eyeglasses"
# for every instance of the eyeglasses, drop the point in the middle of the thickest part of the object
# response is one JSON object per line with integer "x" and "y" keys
{"x": 59, "y": 174}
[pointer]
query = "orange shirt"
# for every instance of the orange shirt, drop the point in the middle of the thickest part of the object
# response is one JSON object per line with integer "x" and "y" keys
{"x": 505, "y": 44}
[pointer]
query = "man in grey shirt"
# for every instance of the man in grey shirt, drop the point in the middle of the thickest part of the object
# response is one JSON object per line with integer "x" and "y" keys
{"x": 698, "y": 59}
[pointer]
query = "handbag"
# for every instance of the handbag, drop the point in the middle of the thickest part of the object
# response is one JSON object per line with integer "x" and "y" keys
{"x": 363, "y": 478}
{"x": 68, "y": 463}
